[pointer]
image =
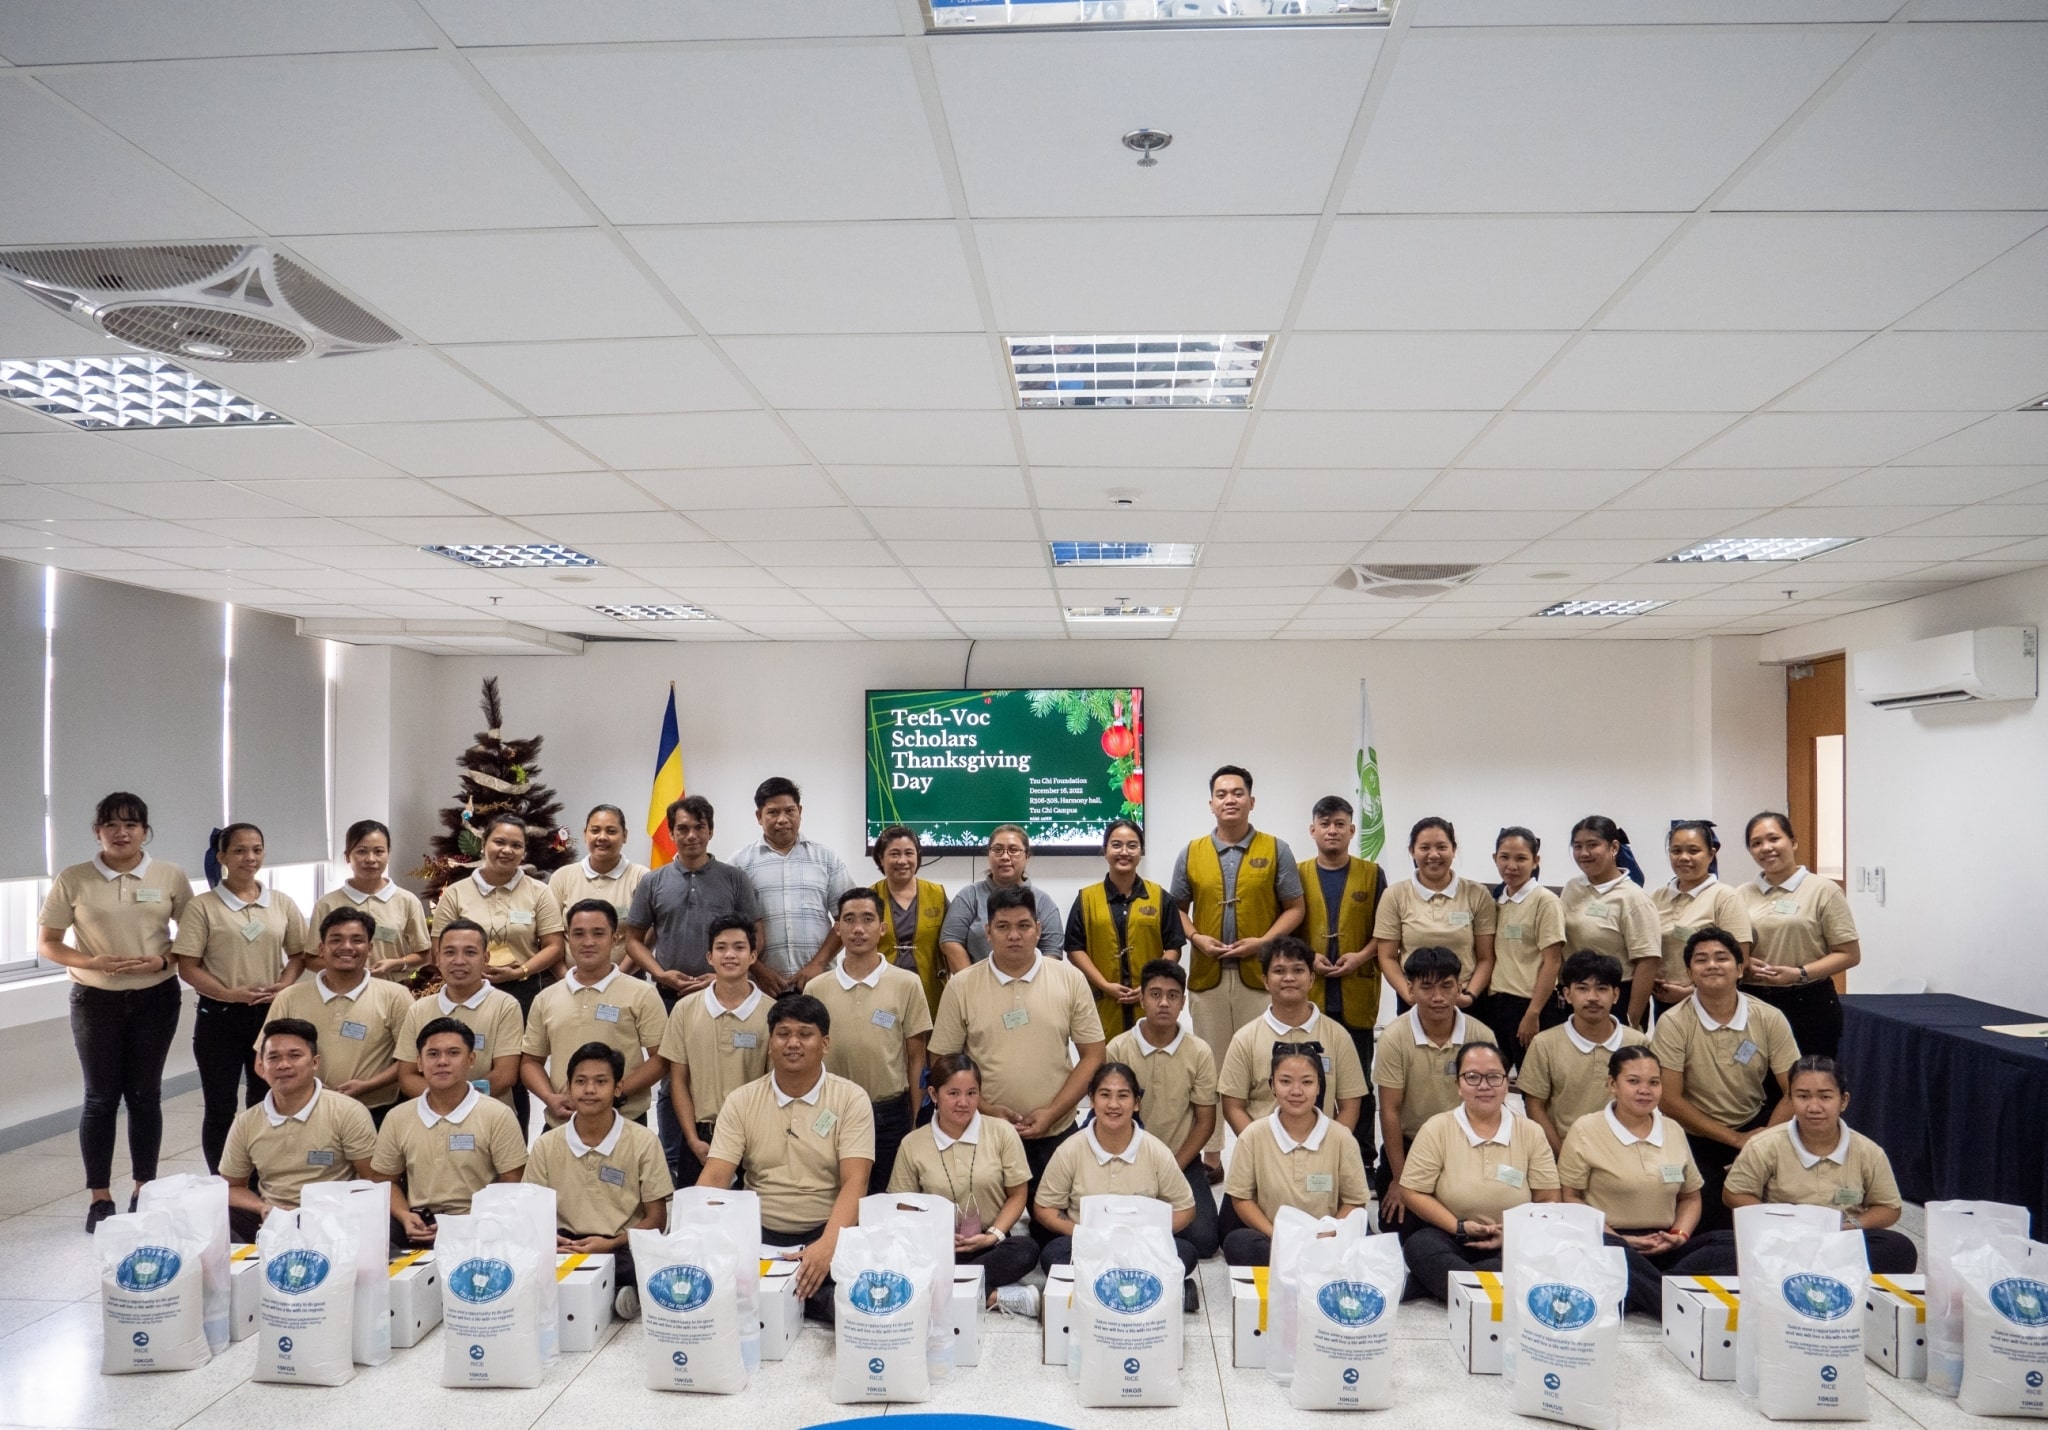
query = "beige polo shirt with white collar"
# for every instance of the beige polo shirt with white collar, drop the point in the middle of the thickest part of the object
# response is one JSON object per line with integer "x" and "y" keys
{"x": 445, "y": 1159}
{"x": 119, "y": 914}
{"x": 321, "y": 1142}
{"x": 872, "y": 1020}
{"x": 1248, "y": 1064}
{"x": 1451, "y": 917}
{"x": 1569, "y": 1072}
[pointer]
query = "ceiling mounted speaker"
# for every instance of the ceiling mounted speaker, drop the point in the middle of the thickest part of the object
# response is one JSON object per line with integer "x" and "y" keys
{"x": 202, "y": 302}
{"x": 1404, "y": 581}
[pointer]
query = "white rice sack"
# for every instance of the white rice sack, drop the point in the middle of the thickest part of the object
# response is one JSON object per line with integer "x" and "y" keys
{"x": 1127, "y": 1315}
{"x": 1750, "y": 1224}
{"x": 1569, "y": 1329}
{"x": 1954, "y": 1227}
{"x": 207, "y": 1197}
{"x": 738, "y": 1215}
{"x": 305, "y": 1307}
{"x": 152, "y": 1292}
{"x": 882, "y": 1284}
{"x": 365, "y": 1208}
{"x": 931, "y": 1218}
{"x": 1298, "y": 1239}
{"x": 1344, "y": 1310}
{"x": 1548, "y": 1223}
{"x": 533, "y": 1210}
{"x": 690, "y": 1308}
{"x": 1802, "y": 1299}
{"x": 491, "y": 1308}
{"x": 2005, "y": 1327}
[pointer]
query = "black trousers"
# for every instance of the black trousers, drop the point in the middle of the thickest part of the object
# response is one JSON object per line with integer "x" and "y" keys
{"x": 1891, "y": 1253}
{"x": 123, "y": 1039}
{"x": 1361, "y": 1041}
{"x": 1813, "y": 1009}
{"x": 1006, "y": 1263}
{"x": 1241, "y": 1245}
{"x": 1714, "y": 1159}
{"x": 224, "y": 1046}
{"x": 819, "y": 1305}
{"x": 1060, "y": 1252}
{"x": 525, "y": 990}
{"x": 1503, "y": 1013}
{"x": 892, "y": 1125}
{"x": 1646, "y": 1273}
{"x": 1433, "y": 1254}
{"x": 1203, "y": 1233}
{"x": 1037, "y": 1154}
{"x": 684, "y": 1166}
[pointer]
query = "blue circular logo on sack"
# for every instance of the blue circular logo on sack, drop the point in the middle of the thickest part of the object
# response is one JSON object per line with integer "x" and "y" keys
{"x": 476, "y": 1352}
{"x": 1351, "y": 1303}
{"x": 296, "y": 1272}
{"x": 2023, "y": 1302}
{"x": 140, "y": 1338}
{"x": 875, "y": 1366}
{"x": 1351, "y": 1375}
{"x": 1818, "y": 1298}
{"x": 1128, "y": 1290}
{"x": 1827, "y": 1373}
{"x": 480, "y": 1280}
{"x": 680, "y": 1359}
{"x": 1562, "y": 1307}
{"x": 679, "y": 1288}
{"x": 1553, "y": 1381}
{"x": 147, "y": 1268}
{"x": 2033, "y": 1380}
{"x": 1131, "y": 1366}
{"x": 284, "y": 1345}
{"x": 881, "y": 1293}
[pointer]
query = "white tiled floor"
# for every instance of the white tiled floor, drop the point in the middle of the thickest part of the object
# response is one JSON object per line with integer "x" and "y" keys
{"x": 50, "y": 1344}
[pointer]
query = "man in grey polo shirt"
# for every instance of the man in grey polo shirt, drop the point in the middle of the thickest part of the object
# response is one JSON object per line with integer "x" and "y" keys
{"x": 677, "y": 902}
{"x": 797, "y": 883}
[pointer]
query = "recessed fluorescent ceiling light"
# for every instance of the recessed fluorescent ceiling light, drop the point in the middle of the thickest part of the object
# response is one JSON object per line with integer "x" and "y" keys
{"x": 1123, "y": 613}
{"x": 105, "y": 393}
{"x": 1601, "y": 608}
{"x": 497, "y": 558}
{"x": 653, "y": 613}
{"x": 1137, "y": 370}
{"x": 1125, "y": 553}
{"x": 1061, "y": 14}
{"x": 1761, "y": 548}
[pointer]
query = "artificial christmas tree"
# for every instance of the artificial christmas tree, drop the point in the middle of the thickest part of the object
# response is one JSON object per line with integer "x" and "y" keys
{"x": 498, "y": 776}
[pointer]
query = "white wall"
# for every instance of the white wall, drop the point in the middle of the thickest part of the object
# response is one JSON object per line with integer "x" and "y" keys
{"x": 1951, "y": 803}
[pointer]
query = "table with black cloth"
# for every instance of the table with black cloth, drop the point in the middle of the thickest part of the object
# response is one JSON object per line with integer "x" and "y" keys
{"x": 1961, "y": 1112}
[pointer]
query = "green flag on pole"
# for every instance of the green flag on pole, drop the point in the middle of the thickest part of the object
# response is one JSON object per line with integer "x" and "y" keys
{"x": 1372, "y": 822}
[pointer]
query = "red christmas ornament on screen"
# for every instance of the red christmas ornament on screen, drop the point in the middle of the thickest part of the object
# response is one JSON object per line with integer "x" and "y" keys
{"x": 1117, "y": 739}
{"x": 1134, "y": 787}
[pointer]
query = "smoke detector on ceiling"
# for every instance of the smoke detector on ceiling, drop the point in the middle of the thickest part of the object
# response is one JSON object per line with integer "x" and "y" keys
{"x": 202, "y": 302}
{"x": 1404, "y": 581}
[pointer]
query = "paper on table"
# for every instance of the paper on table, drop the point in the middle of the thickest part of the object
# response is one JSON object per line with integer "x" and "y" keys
{"x": 2019, "y": 1030}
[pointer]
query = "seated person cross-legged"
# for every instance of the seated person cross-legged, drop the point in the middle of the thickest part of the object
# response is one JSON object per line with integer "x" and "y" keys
{"x": 1634, "y": 1165}
{"x": 1295, "y": 1156}
{"x": 608, "y": 1173}
{"x": 1465, "y": 1169}
{"x": 447, "y": 1144}
{"x": 1113, "y": 1156}
{"x": 303, "y": 1131}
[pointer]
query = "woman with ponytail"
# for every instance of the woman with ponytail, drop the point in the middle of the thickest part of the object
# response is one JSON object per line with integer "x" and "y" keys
{"x": 1604, "y": 910}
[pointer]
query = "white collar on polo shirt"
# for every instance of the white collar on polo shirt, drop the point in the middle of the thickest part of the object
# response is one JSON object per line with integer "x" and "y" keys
{"x": 1586, "y": 1045}
{"x": 1671, "y": 886}
{"x": 328, "y": 995}
{"x": 473, "y": 1002}
{"x": 745, "y": 1011}
{"x": 136, "y": 873}
{"x": 847, "y": 980}
{"x": 1840, "y": 1156}
{"x": 358, "y": 897}
{"x": 1448, "y": 891}
{"x": 618, "y": 869}
{"x": 1628, "y": 1138}
{"x": 488, "y": 889}
{"x": 236, "y": 905}
{"x": 970, "y": 1134}
{"x": 1790, "y": 886}
{"x": 784, "y": 1099}
{"x": 1505, "y": 897}
{"x": 1740, "y": 1022}
{"x": 1103, "y": 1157}
{"x": 453, "y": 1119}
{"x": 1146, "y": 1049}
{"x": 1025, "y": 977}
{"x": 1422, "y": 1038}
{"x": 604, "y": 1145}
{"x": 1603, "y": 888}
{"x": 1314, "y": 1140}
{"x": 1281, "y": 1029}
{"x": 576, "y": 985}
{"x": 278, "y": 1119}
{"x": 1503, "y": 1134}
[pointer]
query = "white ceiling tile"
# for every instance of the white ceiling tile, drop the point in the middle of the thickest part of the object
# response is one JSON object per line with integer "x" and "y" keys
{"x": 1522, "y": 574}
{"x": 2011, "y": 291}
{"x": 24, "y": 538}
{"x": 816, "y": 523}
{"x": 986, "y": 598}
{"x": 950, "y": 524}
{"x": 1837, "y": 271}
{"x": 933, "y": 486}
{"x": 1355, "y": 527}
{"x": 2007, "y": 439}
{"x": 1224, "y": 95}
{"x": 803, "y": 131}
{"x": 854, "y": 578}
{"x": 790, "y": 551}
{"x": 1616, "y": 440}
{"x": 1274, "y": 562}
{"x": 1155, "y": 275}
{"x": 628, "y": 375}
{"x": 1523, "y": 490}
{"x": 1908, "y": 486}
{"x": 1148, "y": 489}
{"x": 363, "y": 551}
{"x": 560, "y": 492}
{"x": 397, "y": 497}
{"x": 50, "y": 147}
{"x": 1835, "y": 521}
{"x": 1671, "y": 12}
{"x": 1630, "y": 121}
{"x": 1476, "y": 523}
{"x": 542, "y": 22}
{"x": 1583, "y": 557}
{"x": 1361, "y": 439}
{"x": 1138, "y": 438}
{"x": 1930, "y": 372}
{"x": 817, "y": 277}
{"x": 922, "y": 554}
{"x": 1926, "y": 122}
{"x": 269, "y": 531}
{"x": 406, "y": 384}
{"x": 1678, "y": 526}
{"x": 95, "y": 559}
{"x": 910, "y": 438}
{"x": 29, "y": 330}
{"x": 2014, "y": 521}
{"x": 179, "y": 501}
{"x": 2026, "y": 496}
{"x": 729, "y": 488}
{"x": 1383, "y": 371}
{"x": 1261, "y": 489}
{"x": 1927, "y": 548}
{"x": 461, "y": 449}
{"x": 1765, "y": 486}
{"x": 887, "y": 370}
{"x": 1797, "y": 439}
{"x": 298, "y": 170}
{"x": 85, "y": 457}
{"x": 128, "y": 531}
{"x": 683, "y": 439}
{"x": 660, "y": 528}
{"x": 1681, "y": 372}
{"x": 1135, "y": 525}
{"x": 99, "y": 30}
{"x": 26, "y": 502}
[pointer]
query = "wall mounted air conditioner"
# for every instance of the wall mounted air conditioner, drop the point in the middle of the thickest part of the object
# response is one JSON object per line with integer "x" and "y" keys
{"x": 1996, "y": 663}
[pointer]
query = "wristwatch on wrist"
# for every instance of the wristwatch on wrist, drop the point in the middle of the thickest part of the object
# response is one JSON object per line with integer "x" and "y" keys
{"x": 1802, "y": 975}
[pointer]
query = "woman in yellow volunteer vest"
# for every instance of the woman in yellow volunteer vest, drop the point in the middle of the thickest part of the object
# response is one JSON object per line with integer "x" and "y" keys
{"x": 916, "y": 909}
{"x": 1118, "y": 926}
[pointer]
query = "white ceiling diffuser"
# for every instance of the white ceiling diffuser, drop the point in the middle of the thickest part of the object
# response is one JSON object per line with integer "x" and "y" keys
{"x": 1405, "y": 581}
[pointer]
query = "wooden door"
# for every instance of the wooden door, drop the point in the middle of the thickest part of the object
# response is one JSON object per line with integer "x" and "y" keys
{"x": 1816, "y": 766}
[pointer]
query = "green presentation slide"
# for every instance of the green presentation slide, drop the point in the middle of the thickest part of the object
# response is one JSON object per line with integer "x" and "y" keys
{"x": 954, "y": 764}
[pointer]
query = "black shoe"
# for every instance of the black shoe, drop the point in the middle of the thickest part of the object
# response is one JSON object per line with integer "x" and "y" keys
{"x": 133, "y": 1198}
{"x": 1189, "y": 1301}
{"x": 99, "y": 1211}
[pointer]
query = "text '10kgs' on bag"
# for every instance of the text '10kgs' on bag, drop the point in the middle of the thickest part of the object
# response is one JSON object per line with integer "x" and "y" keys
{"x": 1954, "y": 1227}
{"x": 305, "y": 1307}
{"x": 690, "y": 1307}
{"x": 491, "y": 1305}
{"x": 2005, "y": 1327}
{"x": 1298, "y": 1240}
{"x": 152, "y": 1297}
{"x": 1799, "y": 1343}
{"x": 883, "y": 1279}
{"x": 1567, "y": 1326}
{"x": 1343, "y": 1326}
{"x": 1127, "y": 1314}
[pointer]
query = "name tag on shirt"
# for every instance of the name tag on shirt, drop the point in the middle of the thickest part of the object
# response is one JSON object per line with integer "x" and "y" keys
{"x": 1511, "y": 931}
{"x": 1462, "y": 918}
{"x": 354, "y": 1030}
{"x": 385, "y": 934}
{"x": 149, "y": 896}
{"x": 320, "y": 1157}
{"x": 605, "y": 1013}
{"x": 1745, "y": 1053}
{"x": 825, "y": 1121}
{"x": 1784, "y": 906}
{"x": 252, "y": 930}
{"x": 882, "y": 1018}
{"x": 1511, "y": 1176}
{"x": 462, "y": 1142}
{"x": 611, "y": 1176}
{"x": 1599, "y": 910}
{"x": 1321, "y": 1182}
{"x": 520, "y": 918}
{"x": 1848, "y": 1196}
{"x": 1673, "y": 1176}
{"x": 1015, "y": 1019}
{"x": 745, "y": 1040}
{"x": 477, "y": 1039}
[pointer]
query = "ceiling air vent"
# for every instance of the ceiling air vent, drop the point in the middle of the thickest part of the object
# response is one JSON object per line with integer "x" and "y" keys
{"x": 1407, "y": 581}
{"x": 205, "y": 302}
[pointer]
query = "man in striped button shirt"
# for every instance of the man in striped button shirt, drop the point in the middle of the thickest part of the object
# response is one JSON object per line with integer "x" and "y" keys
{"x": 798, "y": 884}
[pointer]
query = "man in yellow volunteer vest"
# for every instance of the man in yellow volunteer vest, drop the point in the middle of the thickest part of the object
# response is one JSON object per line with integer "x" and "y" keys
{"x": 1118, "y": 926}
{"x": 1342, "y": 892}
{"x": 1240, "y": 890}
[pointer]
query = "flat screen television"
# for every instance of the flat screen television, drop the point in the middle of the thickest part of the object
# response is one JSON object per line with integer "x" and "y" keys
{"x": 954, "y": 764}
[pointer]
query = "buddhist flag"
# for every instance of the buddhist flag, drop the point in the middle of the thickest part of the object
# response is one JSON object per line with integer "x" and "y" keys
{"x": 668, "y": 784}
{"x": 1372, "y": 819}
